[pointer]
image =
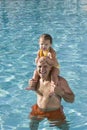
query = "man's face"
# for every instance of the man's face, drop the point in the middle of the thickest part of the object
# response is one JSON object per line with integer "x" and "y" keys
{"x": 43, "y": 69}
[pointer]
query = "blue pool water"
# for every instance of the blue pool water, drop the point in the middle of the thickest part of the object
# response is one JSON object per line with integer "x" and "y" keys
{"x": 21, "y": 24}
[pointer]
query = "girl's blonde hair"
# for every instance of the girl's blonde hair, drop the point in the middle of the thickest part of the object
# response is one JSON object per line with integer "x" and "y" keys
{"x": 46, "y": 37}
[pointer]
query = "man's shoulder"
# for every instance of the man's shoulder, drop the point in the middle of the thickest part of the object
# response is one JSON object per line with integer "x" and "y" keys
{"x": 61, "y": 78}
{"x": 62, "y": 81}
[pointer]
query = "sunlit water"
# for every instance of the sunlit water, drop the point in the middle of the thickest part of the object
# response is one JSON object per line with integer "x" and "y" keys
{"x": 21, "y": 24}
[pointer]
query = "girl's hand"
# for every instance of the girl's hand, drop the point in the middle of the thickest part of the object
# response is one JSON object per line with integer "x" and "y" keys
{"x": 49, "y": 55}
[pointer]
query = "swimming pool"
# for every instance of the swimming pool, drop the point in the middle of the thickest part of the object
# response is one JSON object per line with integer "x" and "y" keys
{"x": 21, "y": 24}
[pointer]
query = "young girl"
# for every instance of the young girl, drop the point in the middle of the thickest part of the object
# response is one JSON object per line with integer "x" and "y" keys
{"x": 45, "y": 43}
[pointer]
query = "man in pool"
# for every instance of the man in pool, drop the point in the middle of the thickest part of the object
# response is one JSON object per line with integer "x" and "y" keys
{"x": 49, "y": 106}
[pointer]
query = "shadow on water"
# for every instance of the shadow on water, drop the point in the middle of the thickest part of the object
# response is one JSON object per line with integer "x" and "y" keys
{"x": 35, "y": 124}
{"x": 63, "y": 126}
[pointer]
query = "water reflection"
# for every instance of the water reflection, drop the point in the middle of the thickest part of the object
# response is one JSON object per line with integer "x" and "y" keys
{"x": 4, "y": 20}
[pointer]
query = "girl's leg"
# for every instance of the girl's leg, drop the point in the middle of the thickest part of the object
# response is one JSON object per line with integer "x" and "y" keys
{"x": 33, "y": 82}
{"x": 54, "y": 75}
{"x": 35, "y": 76}
{"x": 54, "y": 79}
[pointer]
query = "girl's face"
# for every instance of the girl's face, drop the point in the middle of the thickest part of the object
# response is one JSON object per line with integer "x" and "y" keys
{"x": 44, "y": 44}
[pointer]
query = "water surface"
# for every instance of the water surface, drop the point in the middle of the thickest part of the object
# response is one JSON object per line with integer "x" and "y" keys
{"x": 21, "y": 24}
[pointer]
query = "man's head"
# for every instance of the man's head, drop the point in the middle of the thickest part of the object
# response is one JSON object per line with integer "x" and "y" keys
{"x": 45, "y": 42}
{"x": 44, "y": 68}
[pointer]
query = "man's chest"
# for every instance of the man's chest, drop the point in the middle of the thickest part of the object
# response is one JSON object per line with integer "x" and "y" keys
{"x": 44, "y": 87}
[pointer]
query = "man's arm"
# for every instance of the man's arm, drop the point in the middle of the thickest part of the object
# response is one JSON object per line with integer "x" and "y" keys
{"x": 64, "y": 91}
